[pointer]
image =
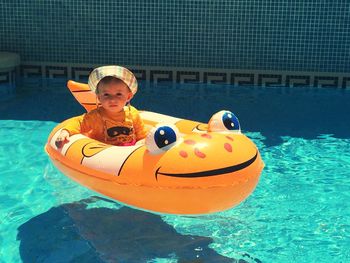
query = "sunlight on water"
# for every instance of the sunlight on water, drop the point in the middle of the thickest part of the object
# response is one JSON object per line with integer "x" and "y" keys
{"x": 299, "y": 211}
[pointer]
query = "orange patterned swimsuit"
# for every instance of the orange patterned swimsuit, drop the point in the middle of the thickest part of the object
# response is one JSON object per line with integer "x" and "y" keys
{"x": 122, "y": 129}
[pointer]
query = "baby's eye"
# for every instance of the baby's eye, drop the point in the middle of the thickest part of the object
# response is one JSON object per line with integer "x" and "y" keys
{"x": 161, "y": 138}
{"x": 224, "y": 121}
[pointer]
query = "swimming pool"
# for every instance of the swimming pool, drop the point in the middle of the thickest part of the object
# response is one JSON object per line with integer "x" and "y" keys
{"x": 299, "y": 211}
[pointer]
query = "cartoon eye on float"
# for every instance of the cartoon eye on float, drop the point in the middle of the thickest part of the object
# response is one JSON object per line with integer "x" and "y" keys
{"x": 224, "y": 121}
{"x": 161, "y": 138}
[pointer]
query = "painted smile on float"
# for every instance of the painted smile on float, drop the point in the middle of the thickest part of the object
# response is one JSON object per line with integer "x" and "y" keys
{"x": 219, "y": 171}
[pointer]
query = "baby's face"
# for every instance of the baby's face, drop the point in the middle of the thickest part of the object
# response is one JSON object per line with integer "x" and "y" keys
{"x": 114, "y": 96}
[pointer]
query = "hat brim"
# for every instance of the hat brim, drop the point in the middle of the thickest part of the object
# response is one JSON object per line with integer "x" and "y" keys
{"x": 112, "y": 71}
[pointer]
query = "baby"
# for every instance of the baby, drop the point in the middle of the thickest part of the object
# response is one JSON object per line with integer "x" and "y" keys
{"x": 114, "y": 121}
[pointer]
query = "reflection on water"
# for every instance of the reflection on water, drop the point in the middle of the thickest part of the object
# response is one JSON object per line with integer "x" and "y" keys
{"x": 76, "y": 233}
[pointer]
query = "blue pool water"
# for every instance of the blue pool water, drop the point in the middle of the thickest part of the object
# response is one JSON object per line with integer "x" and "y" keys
{"x": 299, "y": 212}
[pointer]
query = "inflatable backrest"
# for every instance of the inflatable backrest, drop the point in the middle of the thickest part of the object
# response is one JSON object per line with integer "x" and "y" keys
{"x": 83, "y": 95}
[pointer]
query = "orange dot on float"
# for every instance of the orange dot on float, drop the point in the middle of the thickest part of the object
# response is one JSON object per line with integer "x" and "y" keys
{"x": 230, "y": 138}
{"x": 190, "y": 142}
{"x": 228, "y": 147}
{"x": 206, "y": 135}
{"x": 199, "y": 154}
{"x": 183, "y": 154}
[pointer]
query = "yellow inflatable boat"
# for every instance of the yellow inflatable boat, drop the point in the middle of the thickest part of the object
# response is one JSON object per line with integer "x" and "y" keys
{"x": 184, "y": 167}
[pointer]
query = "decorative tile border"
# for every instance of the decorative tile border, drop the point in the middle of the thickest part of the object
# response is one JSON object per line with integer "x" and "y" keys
{"x": 157, "y": 76}
{"x": 8, "y": 76}
{"x": 7, "y": 83}
{"x": 31, "y": 70}
{"x": 4, "y": 77}
{"x": 263, "y": 78}
{"x": 80, "y": 73}
{"x": 345, "y": 82}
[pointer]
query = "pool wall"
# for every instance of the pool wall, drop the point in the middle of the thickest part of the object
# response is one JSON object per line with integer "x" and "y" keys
{"x": 262, "y": 42}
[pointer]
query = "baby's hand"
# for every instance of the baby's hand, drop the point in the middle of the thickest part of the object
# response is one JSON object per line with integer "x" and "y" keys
{"x": 62, "y": 139}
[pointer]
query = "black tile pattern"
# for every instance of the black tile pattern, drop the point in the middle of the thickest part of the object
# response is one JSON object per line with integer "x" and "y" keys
{"x": 277, "y": 79}
{"x": 140, "y": 74}
{"x": 269, "y": 80}
{"x": 187, "y": 77}
{"x": 215, "y": 77}
{"x": 242, "y": 79}
{"x": 157, "y": 76}
{"x": 345, "y": 82}
{"x": 56, "y": 72}
{"x": 326, "y": 82}
{"x": 81, "y": 73}
{"x": 5, "y": 77}
{"x": 31, "y": 71}
{"x": 297, "y": 81}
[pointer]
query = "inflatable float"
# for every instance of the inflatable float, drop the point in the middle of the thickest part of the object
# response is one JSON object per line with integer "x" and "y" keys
{"x": 184, "y": 167}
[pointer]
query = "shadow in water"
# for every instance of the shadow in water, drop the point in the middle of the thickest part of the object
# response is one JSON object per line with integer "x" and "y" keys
{"x": 74, "y": 232}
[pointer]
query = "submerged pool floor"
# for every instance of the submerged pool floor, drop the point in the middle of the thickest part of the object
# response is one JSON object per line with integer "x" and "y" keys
{"x": 299, "y": 211}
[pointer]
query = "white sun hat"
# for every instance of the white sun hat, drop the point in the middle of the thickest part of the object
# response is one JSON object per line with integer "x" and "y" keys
{"x": 112, "y": 71}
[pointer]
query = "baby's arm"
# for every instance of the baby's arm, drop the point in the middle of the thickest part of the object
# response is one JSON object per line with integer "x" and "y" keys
{"x": 73, "y": 127}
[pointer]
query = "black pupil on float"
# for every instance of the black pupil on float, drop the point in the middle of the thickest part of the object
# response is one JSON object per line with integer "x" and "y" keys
{"x": 164, "y": 136}
{"x": 230, "y": 121}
